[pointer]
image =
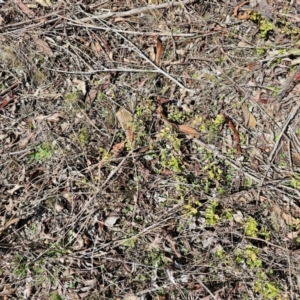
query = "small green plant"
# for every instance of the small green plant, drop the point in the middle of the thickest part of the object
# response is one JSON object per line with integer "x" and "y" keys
{"x": 247, "y": 182}
{"x": 56, "y": 250}
{"x": 177, "y": 115}
{"x": 265, "y": 27}
{"x": 275, "y": 90}
{"x": 170, "y": 161}
{"x": 21, "y": 266}
{"x": 248, "y": 256}
{"x": 72, "y": 97}
{"x": 250, "y": 227}
{"x": 82, "y": 137}
{"x": 295, "y": 181}
{"x": 268, "y": 290}
{"x": 43, "y": 152}
{"x": 55, "y": 296}
{"x": 170, "y": 157}
{"x": 221, "y": 255}
{"x": 130, "y": 242}
{"x": 168, "y": 135}
{"x": 214, "y": 171}
{"x": 265, "y": 233}
{"x": 156, "y": 258}
{"x": 228, "y": 214}
{"x": 39, "y": 78}
{"x": 72, "y": 102}
{"x": 191, "y": 207}
{"x": 210, "y": 215}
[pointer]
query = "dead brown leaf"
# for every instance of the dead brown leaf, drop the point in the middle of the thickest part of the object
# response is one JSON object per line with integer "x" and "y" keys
{"x": 129, "y": 135}
{"x": 250, "y": 120}
{"x": 125, "y": 118}
{"x": 91, "y": 96}
{"x": 173, "y": 245}
{"x": 152, "y": 53}
{"x": 188, "y": 130}
{"x": 161, "y": 100}
{"x": 96, "y": 48}
{"x": 43, "y": 46}
{"x": 54, "y": 118}
{"x": 6, "y": 101}
{"x": 81, "y": 85}
{"x": 166, "y": 172}
{"x": 26, "y": 140}
{"x": 238, "y": 6}
{"x": 289, "y": 220}
{"x": 159, "y": 51}
{"x": 12, "y": 221}
{"x": 25, "y": 9}
{"x": 155, "y": 243}
{"x": 236, "y": 134}
{"x": 118, "y": 148}
{"x": 291, "y": 235}
{"x": 296, "y": 158}
{"x": 243, "y": 16}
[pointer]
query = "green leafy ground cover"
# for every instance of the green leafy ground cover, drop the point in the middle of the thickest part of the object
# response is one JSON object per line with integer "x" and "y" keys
{"x": 149, "y": 150}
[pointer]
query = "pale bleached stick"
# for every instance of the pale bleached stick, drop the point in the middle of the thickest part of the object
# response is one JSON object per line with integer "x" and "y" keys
{"x": 290, "y": 117}
{"x": 136, "y": 11}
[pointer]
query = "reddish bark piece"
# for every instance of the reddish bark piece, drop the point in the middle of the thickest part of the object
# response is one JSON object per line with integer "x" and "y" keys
{"x": 6, "y": 100}
{"x": 236, "y": 135}
{"x": 25, "y": 9}
{"x": 162, "y": 100}
{"x": 159, "y": 51}
{"x": 297, "y": 77}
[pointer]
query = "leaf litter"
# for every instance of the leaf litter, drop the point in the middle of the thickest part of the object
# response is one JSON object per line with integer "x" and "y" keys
{"x": 152, "y": 141}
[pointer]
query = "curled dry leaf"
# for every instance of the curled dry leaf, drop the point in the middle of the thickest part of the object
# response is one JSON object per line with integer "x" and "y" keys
{"x": 236, "y": 11}
{"x": 12, "y": 221}
{"x": 166, "y": 172}
{"x": 250, "y": 121}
